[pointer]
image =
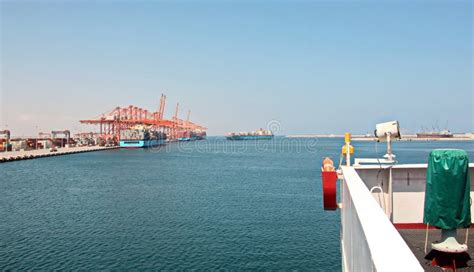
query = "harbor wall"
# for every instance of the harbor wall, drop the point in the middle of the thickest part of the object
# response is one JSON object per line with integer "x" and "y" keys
{"x": 41, "y": 153}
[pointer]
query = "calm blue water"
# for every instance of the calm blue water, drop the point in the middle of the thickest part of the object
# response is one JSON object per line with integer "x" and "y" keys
{"x": 203, "y": 205}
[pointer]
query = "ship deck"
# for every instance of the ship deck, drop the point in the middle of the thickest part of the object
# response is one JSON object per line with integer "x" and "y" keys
{"x": 380, "y": 228}
{"x": 415, "y": 239}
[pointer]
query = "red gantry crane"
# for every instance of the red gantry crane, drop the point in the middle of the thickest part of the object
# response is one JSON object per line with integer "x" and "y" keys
{"x": 112, "y": 122}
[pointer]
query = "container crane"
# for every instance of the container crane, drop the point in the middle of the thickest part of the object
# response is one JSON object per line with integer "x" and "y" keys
{"x": 66, "y": 134}
{"x": 122, "y": 118}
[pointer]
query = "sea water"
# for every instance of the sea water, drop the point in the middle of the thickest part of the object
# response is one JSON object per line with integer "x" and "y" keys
{"x": 207, "y": 205}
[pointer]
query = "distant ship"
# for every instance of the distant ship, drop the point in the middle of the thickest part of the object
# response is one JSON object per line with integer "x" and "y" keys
{"x": 260, "y": 134}
{"x": 435, "y": 134}
{"x": 195, "y": 135}
{"x": 141, "y": 137}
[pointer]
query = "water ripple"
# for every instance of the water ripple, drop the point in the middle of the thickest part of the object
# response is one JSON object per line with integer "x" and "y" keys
{"x": 167, "y": 210}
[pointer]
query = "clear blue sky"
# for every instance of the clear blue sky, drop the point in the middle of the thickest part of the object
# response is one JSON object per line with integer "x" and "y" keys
{"x": 316, "y": 67}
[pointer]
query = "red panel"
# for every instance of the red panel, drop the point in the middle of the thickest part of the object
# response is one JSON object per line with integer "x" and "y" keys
{"x": 329, "y": 190}
{"x": 415, "y": 226}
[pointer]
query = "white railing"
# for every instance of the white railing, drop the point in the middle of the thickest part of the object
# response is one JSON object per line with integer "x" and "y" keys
{"x": 369, "y": 241}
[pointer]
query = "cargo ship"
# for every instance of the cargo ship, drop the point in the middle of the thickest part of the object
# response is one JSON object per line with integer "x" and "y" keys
{"x": 260, "y": 134}
{"x": 194, "y": 135}
{"x": 141, "y": 137}
{"x": 435, "y": 134}
{"x": 401, "y": 217}
{"x": 200, "y": 135}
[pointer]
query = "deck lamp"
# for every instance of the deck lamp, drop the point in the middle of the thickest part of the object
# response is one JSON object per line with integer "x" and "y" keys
{"x": 388, "y": 131}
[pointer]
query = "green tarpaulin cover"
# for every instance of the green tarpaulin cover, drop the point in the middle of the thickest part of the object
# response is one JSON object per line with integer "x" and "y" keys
{"x": 447, "y": 197}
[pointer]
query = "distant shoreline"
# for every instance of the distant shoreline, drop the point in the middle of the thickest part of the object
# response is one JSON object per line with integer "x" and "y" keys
{"x": 456, "y": 137}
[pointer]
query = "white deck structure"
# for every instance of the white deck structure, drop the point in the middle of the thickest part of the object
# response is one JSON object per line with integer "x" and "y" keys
{"x": 374, "y": 199}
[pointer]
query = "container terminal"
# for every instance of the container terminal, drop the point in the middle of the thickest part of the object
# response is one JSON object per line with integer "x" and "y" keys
{"x": 119, "y": 119}
{"x": 127, "y": 127}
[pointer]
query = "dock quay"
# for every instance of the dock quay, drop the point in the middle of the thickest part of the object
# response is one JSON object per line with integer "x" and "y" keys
{"x": 41, "y": 153}
{"x": 405, "y": 137}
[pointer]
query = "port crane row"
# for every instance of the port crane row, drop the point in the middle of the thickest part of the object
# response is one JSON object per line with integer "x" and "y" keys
{"x": 122, "y": 118}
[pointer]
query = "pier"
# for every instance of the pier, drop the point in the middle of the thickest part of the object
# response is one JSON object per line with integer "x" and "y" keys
{"x": 405, "y": 137}
{"x": 41, "y": 153}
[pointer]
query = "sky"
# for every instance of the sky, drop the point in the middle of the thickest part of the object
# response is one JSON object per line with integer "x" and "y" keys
{"x": 301, "y": 66}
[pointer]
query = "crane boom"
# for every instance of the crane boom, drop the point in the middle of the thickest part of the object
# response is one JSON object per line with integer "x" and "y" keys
{"x": 162, "y": 110}
{"x": 176, "y": 112}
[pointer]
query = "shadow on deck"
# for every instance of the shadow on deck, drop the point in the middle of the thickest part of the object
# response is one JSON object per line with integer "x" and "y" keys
{"x": 415, "y": 239}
